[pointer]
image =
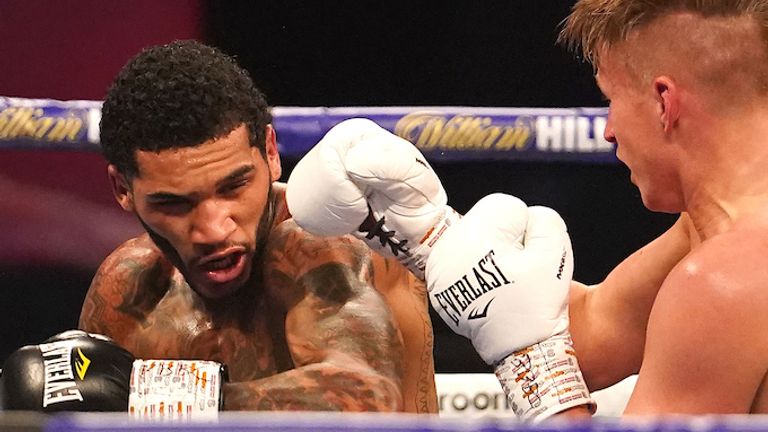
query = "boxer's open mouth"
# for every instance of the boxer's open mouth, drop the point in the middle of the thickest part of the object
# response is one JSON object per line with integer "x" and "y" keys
{"x": 221, "y": 263}
{"x": 224, "y": 269}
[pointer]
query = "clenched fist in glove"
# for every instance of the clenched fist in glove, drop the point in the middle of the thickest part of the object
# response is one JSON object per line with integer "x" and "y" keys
{"x": 361, "y": 179}
{"x": 79, "y": 371}
{"x": 501, "y": 276}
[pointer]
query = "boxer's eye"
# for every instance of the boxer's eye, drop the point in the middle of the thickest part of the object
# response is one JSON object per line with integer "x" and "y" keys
{"x": 172, "y": 205}
{"x": 233, "y": 187}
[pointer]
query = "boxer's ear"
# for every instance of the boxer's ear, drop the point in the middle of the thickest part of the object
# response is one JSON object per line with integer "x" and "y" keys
{"x": 667, "y": 102}
{"x": 120, "y": 188}
{"x": 272, "y": 155}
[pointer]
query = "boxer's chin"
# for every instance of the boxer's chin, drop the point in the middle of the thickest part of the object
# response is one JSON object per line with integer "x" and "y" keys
{"x": 215, "y": 292}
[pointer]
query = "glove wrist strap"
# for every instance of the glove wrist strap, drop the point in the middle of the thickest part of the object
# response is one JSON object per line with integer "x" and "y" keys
{"x": 175, "y": 389}
{"x": 412, "y": 252}
{"x": 544, "y": 379}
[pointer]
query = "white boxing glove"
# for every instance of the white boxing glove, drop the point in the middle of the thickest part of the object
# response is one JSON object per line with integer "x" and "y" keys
{"x": 500, "y": 276}
{"x": 364, "y": 180}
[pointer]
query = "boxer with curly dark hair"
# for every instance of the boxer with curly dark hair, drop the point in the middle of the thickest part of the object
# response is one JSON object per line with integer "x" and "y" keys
{"x": 178, "y": 95}
{"x": 223, "y": 274}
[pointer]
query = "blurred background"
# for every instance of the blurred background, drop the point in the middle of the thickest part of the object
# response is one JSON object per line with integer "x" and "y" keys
{"x": 58, "y": 219}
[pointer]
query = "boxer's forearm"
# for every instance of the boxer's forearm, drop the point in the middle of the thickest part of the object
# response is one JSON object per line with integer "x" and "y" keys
{"x": 607, "y": 352}
{"x": 317, "y": 387}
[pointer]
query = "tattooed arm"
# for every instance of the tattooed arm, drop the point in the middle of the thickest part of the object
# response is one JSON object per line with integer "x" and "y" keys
{"x": 340, "y": 332}
{"x": 407, "y": 298}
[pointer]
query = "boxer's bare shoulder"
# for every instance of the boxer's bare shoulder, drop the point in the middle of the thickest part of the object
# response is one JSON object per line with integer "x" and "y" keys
{"x": 126, "y": 288}
{"x": 291, "y": 253}
{"x": 708, "y": 330}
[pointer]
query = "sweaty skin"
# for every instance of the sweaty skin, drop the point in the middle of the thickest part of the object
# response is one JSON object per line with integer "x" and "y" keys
{"x": 688, "y": 315}
{"x": 299, "y": 340}
{"x": 687, "y": 312}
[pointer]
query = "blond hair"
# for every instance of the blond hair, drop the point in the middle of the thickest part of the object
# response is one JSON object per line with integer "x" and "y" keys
{"x": 594, "y": 25}
{"x": 719, "y": 46}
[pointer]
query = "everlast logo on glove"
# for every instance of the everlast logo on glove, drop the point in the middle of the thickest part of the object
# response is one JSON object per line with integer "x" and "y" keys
{"x": 485, "y": 276}
{"x": 60, "y": 385}
{"x": 71, "y": 371}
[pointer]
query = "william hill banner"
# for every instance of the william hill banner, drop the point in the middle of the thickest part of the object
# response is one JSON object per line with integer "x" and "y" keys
{"x": 441, "y": 133}
{"x": 466, "y": 133}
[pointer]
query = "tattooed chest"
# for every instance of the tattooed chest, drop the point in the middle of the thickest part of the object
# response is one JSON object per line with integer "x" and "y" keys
{"x": 249, "y": 353}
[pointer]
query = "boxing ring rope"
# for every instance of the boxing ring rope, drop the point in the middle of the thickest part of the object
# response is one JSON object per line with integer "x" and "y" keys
{"x": 443, "y": 134}
{"x": 386, "y": 422}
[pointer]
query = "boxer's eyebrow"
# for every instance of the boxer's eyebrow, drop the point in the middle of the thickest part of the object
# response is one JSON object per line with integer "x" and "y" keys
{"x": 233, "y": 176}
{"x": 157, "y": 197}
{"x": 237, "y": 174}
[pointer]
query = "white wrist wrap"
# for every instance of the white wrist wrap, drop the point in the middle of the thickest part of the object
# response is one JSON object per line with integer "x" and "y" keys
{"x": 543, "y": 379}
{"x": 412, "y": 253}
{"x": 175, "y": 389}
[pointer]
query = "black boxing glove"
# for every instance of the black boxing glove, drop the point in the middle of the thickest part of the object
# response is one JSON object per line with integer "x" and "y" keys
{"x": 79, "y": 371}
{"x": 73, "y": 371}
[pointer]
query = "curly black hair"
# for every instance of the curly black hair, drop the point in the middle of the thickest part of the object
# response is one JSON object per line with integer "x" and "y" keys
{"x": 178, "y": 95}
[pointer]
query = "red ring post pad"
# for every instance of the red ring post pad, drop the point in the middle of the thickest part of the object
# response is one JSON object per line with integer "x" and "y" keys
{"x": 388, "y": 422}
{"x": 441, "y": 133}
